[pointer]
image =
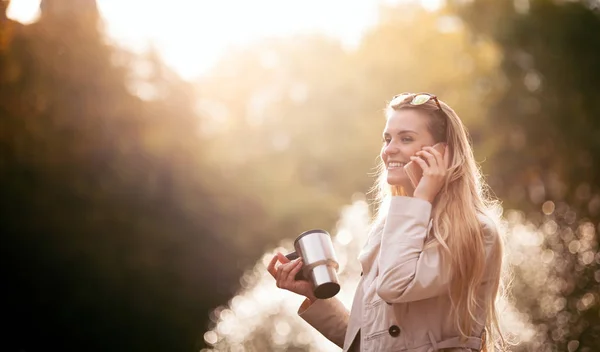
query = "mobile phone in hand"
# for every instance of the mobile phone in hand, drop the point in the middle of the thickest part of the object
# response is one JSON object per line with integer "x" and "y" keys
{"x": 414, "y": 171}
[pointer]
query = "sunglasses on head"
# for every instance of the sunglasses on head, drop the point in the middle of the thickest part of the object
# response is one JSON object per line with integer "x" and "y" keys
{"x": 417, "y": 99}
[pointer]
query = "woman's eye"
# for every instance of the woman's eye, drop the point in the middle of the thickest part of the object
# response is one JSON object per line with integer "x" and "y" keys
{"x": 406, "y": 139}
{"x": 387, "y": 140}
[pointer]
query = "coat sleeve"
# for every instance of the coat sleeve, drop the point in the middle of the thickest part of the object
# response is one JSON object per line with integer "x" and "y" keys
{"x": 408, "y": 271}
{"x": 329, "y": 317}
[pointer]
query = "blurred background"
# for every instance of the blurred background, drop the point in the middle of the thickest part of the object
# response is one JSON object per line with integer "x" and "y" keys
{"x": 154, "y": 154}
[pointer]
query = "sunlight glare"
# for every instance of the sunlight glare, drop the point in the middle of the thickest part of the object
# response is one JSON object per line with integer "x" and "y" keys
{"x": 430, "y": 5}
{"x": 192, "y": 35}
{"x": 24, "y": 11}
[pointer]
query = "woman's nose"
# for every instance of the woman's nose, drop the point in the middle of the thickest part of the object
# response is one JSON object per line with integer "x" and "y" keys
{"x": 390, "y": 149}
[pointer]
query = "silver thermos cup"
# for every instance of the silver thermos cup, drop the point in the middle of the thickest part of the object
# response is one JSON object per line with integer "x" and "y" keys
{"x": 320, "y": 264}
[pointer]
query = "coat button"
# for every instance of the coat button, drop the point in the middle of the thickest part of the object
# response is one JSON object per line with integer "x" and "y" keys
{"x": 394, "y": 330}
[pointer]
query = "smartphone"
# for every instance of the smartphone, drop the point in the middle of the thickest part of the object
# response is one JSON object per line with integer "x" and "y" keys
{"x": 414, "y": 171}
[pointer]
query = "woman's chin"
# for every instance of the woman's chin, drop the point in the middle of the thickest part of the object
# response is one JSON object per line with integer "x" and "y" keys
{"x": 396, "y": 180}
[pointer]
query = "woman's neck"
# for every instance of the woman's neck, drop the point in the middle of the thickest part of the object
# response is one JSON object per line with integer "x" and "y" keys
{"x": 403, "y": 190}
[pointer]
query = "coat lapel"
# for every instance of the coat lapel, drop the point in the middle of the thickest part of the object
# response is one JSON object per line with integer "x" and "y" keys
{"x": 368, "y": 254}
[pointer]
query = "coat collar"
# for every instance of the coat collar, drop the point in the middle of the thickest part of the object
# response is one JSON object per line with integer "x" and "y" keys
{"x": 368, "y": 254}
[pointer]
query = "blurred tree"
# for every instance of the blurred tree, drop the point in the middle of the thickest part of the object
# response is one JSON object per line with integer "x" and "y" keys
{"x": 6, "y": 26}
{"x": 117, "y": 234}
{"x": 548, "y": 140}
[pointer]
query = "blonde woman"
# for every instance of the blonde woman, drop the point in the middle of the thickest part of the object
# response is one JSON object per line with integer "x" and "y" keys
{"x": 432, "y": 261}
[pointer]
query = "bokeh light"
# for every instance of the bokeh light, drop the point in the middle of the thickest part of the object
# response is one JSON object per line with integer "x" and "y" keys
{"x": 540, "y": 258}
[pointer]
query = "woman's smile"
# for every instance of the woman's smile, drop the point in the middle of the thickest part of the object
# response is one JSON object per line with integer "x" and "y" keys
{"x": 392, "y": 165}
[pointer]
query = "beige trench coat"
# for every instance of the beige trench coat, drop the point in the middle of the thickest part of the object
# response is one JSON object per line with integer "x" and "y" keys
{"x": 402, "y": 302}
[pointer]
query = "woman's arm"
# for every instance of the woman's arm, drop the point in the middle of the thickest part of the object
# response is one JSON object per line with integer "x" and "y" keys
{"x": 407, "y": 271}
{"x": 328, "y": 316}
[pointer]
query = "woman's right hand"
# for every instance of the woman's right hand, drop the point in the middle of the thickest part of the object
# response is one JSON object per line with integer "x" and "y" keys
{"x": 285, "y": 274}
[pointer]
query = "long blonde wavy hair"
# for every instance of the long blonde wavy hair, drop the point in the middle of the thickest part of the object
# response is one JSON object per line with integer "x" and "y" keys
{"x": 457, "y": 225}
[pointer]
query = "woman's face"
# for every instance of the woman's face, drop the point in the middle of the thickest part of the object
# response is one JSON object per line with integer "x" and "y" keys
{"x": 405, "y": 134}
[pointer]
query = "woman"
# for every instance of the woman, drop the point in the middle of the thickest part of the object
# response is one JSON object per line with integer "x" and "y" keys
{"x": 432, "y": 262}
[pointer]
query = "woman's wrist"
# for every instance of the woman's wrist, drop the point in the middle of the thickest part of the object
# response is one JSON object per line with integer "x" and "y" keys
{"x": 423, "y": 197}
{"x": 307, "y": 303}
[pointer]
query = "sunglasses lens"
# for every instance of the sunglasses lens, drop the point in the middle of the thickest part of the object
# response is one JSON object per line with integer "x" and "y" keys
{"x": 420, "y": 99}
{"x": 399, "y": 98}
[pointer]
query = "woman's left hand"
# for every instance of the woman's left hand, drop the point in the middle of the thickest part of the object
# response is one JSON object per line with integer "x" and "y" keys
{"x": 435, "y": 169}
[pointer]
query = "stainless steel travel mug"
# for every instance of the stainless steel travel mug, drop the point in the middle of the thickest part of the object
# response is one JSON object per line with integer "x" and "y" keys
{"x": 320, "y": 263}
